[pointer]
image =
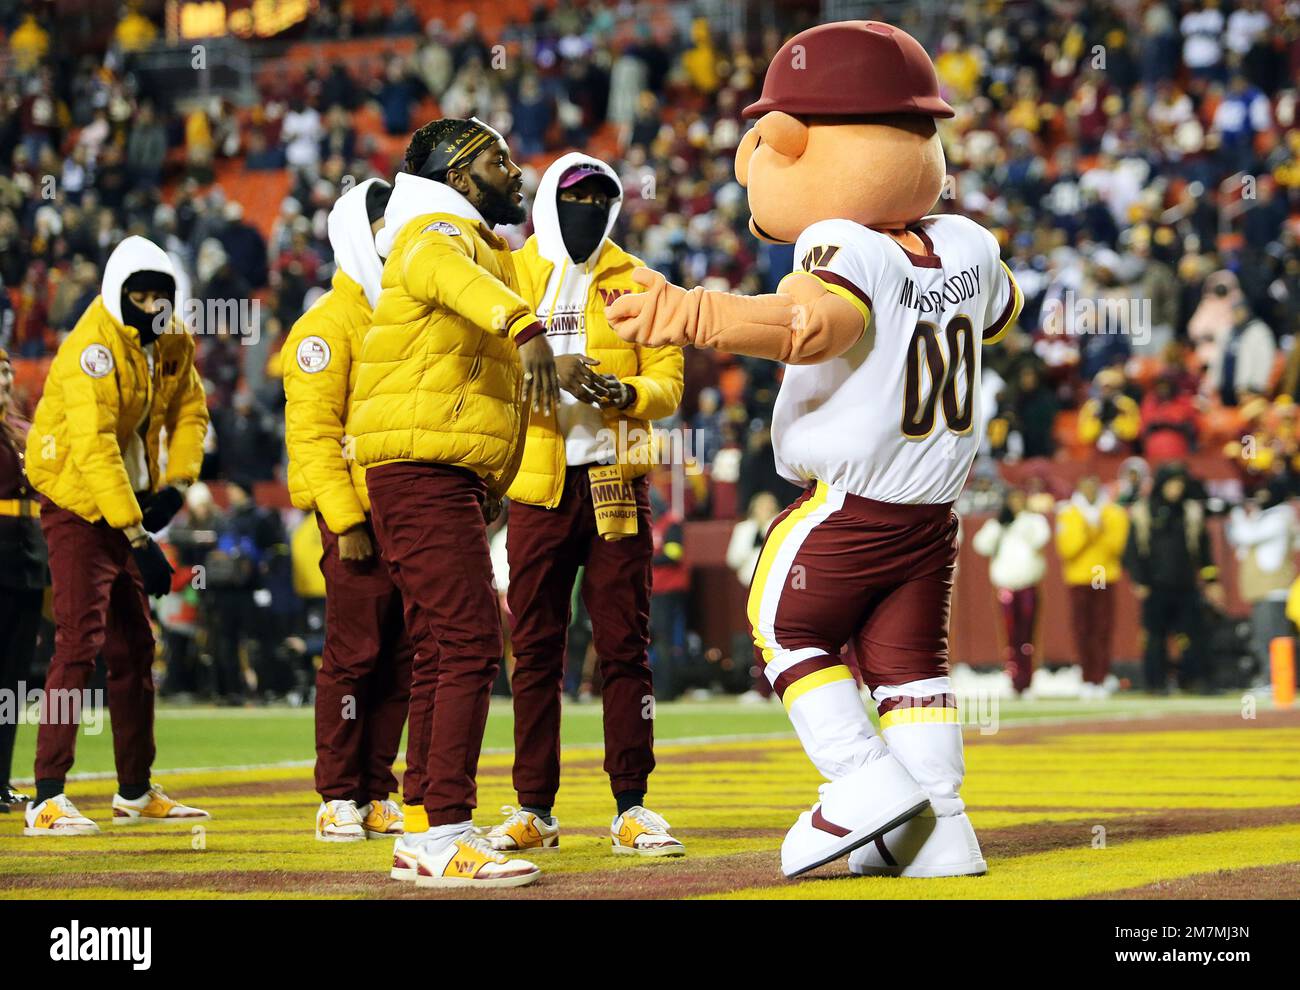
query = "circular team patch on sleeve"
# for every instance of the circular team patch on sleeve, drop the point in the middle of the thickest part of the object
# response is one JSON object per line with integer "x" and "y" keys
{"x": 313, "y": 355}
{"x": 443, "y": 227}
{"x": 96, "y": 360}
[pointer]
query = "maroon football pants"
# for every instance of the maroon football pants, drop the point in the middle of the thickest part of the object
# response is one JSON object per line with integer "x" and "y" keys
{"x": 835, "y": 568}
{"x": 428, "y": 519}
{"x": 363, "y": 685}
{"x": 546, "y": 547}
{"x": 99, "y": 609}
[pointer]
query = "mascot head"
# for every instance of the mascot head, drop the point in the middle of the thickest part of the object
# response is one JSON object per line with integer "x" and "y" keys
{"x": 846, "y": 130}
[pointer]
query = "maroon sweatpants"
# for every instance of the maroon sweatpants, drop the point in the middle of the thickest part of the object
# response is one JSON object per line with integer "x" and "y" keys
{"x": 1019, "y": 612}
{"x": 546, "y": 547}
{"x": 363, "y": 685}
{"x": 1093, "y": 613}
{"x": 428, "y": 519}
{"x": 99, "y": 608}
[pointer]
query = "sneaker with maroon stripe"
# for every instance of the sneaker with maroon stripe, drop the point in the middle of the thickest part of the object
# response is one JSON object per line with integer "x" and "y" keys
{"x": 56, "y": 816}
{"x": 469, "y": 861}
{"x": 153, "y": 807}
{"x": 641, "y": 832}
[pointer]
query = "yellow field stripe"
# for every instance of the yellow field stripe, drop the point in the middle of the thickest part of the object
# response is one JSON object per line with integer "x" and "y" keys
{"x": 1063, "y": 873}
{"x": 770, "y": 551}
{"x": 818, "y": 678}
{"x": 916, "y": 715}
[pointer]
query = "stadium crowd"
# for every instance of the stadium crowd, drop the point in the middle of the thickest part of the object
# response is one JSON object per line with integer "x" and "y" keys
{"x": 1138, "y": 161}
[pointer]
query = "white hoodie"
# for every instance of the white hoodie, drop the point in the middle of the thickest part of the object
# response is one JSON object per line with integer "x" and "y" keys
{"x": 562, "y": 308}
{"x": 354, "y": 245}
{"x": 135, "y": 254}
{"x": 413, "y": 197}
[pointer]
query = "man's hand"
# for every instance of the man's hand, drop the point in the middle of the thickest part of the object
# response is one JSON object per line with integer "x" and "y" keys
{"x": 155, "y": 571}
{"x": 161, "y": 507}
{"x": 619, "y": 394}
{"x": 576, "y": 377}
{"x": 660, "y": 316}
{"x": 492, "y": 508}
{"x": 541, "y": 381}
{"x": 354, "y": 544}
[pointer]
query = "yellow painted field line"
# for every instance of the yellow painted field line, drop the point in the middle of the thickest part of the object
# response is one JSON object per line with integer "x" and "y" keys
{"x": 1066, "y": 873}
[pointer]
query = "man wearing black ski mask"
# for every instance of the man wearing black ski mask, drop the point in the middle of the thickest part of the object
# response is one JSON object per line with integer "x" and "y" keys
{"x": 581, "y": 500}
{"x": 124, "y": 376}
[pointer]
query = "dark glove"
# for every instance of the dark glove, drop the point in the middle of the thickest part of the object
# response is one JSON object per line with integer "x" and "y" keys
{"x": 160, "y": 507}
{"x": 155, "y": 570}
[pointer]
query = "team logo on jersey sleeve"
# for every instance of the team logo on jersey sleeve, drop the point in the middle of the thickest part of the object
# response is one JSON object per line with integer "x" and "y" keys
{"x": 96, "y": 360}
{"x": 313, "y": 355}
{"x": 819, "y": 256}
{"x": 442, "y": 227}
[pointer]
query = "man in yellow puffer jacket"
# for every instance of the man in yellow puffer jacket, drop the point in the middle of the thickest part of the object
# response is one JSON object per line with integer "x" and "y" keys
{"x": 124, "y": 374}
{"x": 581, "y": 498}
{"x": 363, "y": 684}
{"x": 1091, "y": 532}
{"x": 437, "y": 416}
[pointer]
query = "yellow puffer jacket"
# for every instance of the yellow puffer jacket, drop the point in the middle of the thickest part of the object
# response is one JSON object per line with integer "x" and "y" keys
{"x": 440, "y": 373}
{"x": 319, "y": 377}
{"x": 99, "y": 386}
{"x": 1085, "y": 548}
{"x": 654, "y": 372}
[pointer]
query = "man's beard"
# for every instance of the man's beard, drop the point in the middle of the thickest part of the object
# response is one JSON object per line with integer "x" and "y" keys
{"x": 498, "y": 207}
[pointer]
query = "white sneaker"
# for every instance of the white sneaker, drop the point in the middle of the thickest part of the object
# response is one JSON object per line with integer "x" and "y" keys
{"x": 339, "y": 821}
{"x": 852, "y": 811}
{"x": 56, "y": 816}
{"x": 382, "y": 819}
{"x": 522, "y": 831}
{"x": 926, "y": 846}
{"x": 152, "y": 808}
{"x": 406, "y": 859}
{"x": 469, "y": 861}
{"x": 641, "y": 832}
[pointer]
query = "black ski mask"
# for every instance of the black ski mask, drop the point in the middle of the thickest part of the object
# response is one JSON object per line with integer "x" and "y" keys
{"x": 582, "y": 225}
{"x": 148, "y": 325}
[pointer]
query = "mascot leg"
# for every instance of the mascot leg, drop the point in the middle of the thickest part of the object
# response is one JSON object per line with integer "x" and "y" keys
{"x": 919, "y": 721}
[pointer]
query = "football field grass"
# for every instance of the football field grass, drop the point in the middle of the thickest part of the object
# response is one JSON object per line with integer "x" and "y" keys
{"x": 1134, "y": 797}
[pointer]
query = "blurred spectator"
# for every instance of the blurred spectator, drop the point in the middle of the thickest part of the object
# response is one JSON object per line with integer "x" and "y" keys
{"x": 1110, "y": 420}
{"x": 1091, "y": 532}
{"x": 671, "y": 581}
{"x": 1027, "y": 410}
{"x": 1238, "y": 348}
{"x": 1263, "y": 532}
{"x": 1169, "y": 559}
{"x": 1014, "y": 542}
{"x": 1169, "y": 421}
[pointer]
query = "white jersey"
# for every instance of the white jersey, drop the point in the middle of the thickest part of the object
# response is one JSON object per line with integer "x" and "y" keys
{"x": 895, "y": 418}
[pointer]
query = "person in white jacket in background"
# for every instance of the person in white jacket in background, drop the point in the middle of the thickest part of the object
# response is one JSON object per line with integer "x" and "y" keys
{"x": 1014, "y": 542}
{"x": 1263, "y": 532}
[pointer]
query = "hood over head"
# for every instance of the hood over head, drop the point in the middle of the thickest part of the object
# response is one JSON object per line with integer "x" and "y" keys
{"x": 354, "y": 247}
{"x": 134, "y": 254}
{"x": 546, "y": 217}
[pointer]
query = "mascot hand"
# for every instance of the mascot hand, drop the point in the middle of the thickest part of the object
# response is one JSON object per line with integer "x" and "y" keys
{"x": 664, "y": 314}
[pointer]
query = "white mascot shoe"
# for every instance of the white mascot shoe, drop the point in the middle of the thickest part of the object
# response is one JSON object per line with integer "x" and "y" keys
{"x": 926, "y": 846}
{"x": 853, "y": 810}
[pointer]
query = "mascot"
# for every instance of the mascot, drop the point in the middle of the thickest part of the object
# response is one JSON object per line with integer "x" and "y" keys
{"x": 878, "y": 416}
